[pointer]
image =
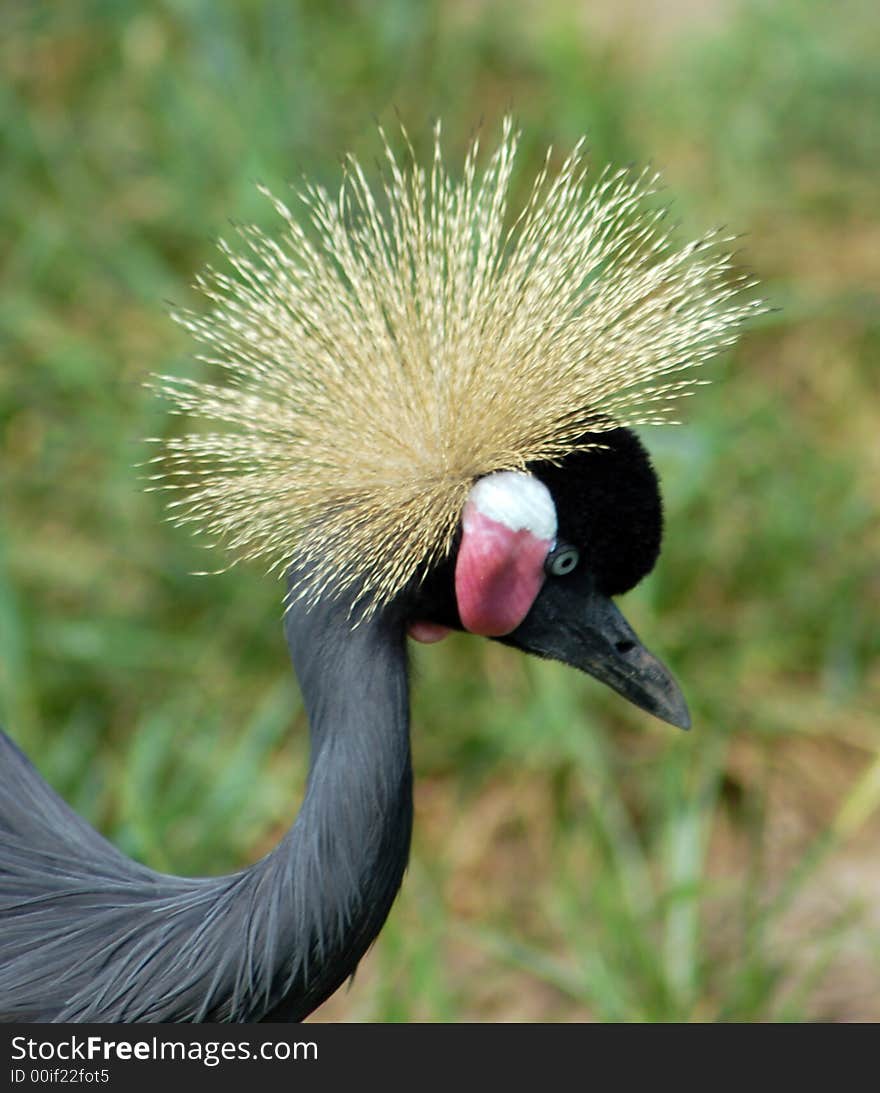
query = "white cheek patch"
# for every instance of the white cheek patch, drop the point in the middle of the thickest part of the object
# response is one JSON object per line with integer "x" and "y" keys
{"x": 517, "y": 500}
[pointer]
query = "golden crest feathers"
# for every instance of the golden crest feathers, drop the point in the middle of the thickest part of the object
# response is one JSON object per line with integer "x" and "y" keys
{"x": 391, "y": 347}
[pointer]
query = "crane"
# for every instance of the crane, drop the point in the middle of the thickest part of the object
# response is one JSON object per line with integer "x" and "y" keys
{"x": 424, "y": 419}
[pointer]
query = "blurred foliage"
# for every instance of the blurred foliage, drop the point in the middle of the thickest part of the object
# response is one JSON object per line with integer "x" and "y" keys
{"x": 572, "y": 859}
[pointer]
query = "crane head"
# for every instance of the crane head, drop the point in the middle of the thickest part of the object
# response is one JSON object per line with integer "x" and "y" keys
{"x": 420, "y": 375}
{"x": 541, "y": 553}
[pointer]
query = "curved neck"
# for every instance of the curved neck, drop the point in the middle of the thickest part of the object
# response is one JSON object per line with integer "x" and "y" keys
{"x": 343, "y": 860}
{"x": 90, "y": 935}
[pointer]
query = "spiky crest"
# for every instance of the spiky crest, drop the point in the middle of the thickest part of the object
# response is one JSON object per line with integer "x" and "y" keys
{"x": 408, "y": 343}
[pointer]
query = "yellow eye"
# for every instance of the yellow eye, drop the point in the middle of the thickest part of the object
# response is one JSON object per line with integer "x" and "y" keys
{"x": 562, "y": 560}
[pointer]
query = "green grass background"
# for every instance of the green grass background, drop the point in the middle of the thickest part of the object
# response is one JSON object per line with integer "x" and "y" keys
{"x": 572, "y": 858}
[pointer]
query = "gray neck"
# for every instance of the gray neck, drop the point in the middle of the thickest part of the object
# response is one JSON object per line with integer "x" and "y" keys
{"x": 90, "y": 935}
{"x": 343, "y": 860}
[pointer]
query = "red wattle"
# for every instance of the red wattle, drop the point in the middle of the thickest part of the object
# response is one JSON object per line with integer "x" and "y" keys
{"x": 498, "y": 574}
{"x": 427, "y": 632}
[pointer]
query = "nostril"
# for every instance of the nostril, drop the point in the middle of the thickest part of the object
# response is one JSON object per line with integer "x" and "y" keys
{"x": 624, "y": 647}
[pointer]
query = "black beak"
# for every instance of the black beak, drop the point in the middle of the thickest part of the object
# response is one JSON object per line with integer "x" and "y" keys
{"x": 590, "y": 633}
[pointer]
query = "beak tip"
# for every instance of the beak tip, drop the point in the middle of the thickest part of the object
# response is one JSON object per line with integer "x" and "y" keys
{"x": 673, "y": 709}
{"x": 683, "y": 721}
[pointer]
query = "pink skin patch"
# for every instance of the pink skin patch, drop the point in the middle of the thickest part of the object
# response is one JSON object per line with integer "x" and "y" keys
{"x": 427, "y": 632}
{"x": 508, "y": 528}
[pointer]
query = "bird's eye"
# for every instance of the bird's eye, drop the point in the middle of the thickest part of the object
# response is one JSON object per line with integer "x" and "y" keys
{"x": 562, "y": 560}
